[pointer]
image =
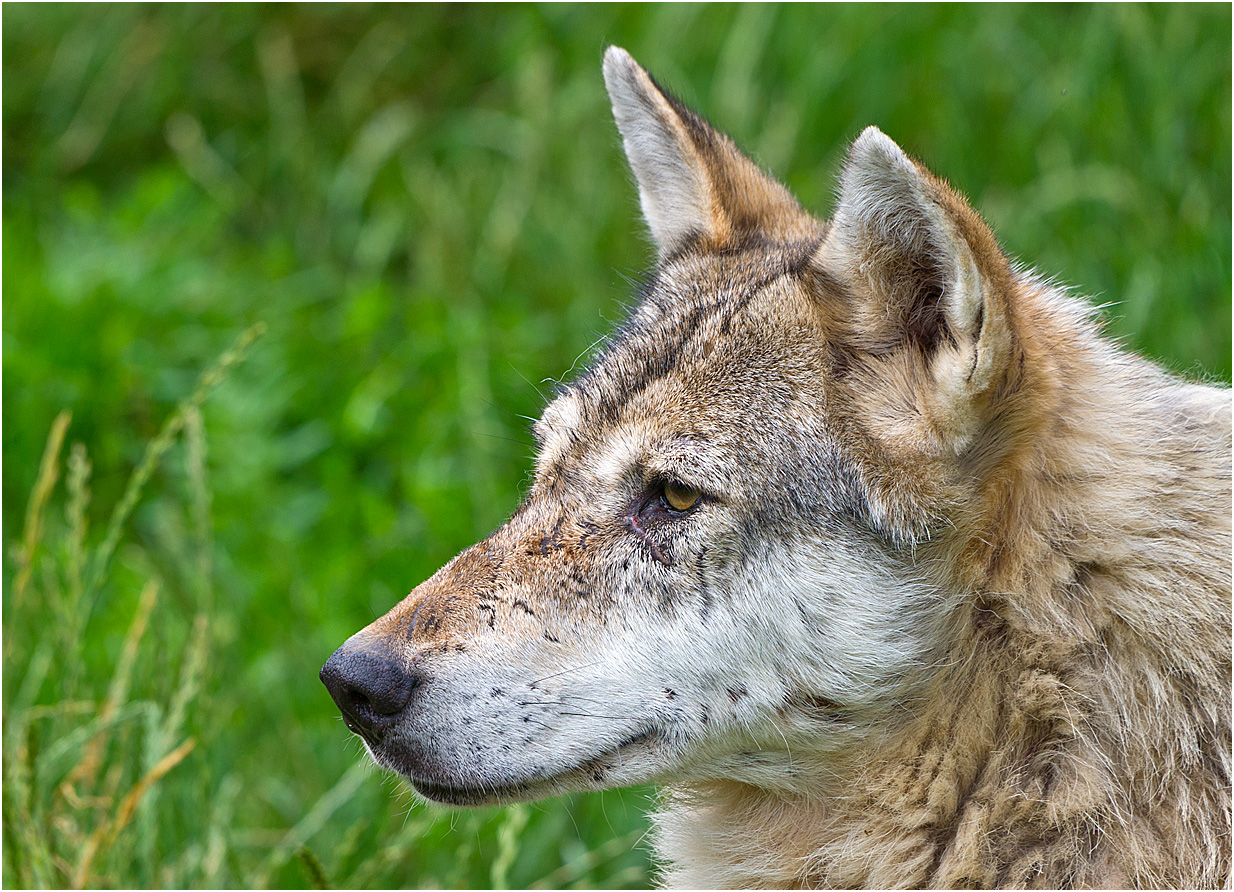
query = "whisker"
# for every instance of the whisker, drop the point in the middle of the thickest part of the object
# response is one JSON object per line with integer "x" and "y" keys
{"x": 528, "y": 380}
{"x": 565, "y": 671}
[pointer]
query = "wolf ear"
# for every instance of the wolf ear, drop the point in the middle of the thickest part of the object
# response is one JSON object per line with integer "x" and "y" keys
{"x": 922, "y": 266}
{"x": 693, "y": 183}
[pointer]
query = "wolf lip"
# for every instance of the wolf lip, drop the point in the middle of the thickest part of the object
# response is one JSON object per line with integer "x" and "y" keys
{"x": 534, "y": 786}
{"x": 448, "y": 794}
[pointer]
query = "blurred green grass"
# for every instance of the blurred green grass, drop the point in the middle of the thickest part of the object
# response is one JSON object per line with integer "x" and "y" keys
{"x": 427, "y": 209}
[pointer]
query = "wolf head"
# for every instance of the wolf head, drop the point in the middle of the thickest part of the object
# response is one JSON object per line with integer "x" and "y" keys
{"x": 725, "y": 565}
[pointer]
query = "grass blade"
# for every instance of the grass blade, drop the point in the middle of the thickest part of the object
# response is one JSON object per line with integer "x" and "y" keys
{"x": 32, "y": 532}
{"x": 572, "y": 871}
{"x": 189, "y": 685}
{"x": 199, "y": 493}
{"x": 314, "y": 819}
{"x": 78, "y": 485}
{"x": 219, "y": 832}
{"x": 30, "y": 851}
{"x": 155, "y": 451}
{"x": 36, "y": 674}
{"x": 312, "y": 867}
{"x": 59, "y": 752}
{"x": 508, "y": 839}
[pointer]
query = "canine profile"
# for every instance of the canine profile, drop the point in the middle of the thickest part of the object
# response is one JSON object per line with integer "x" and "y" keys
{"x": 859, "y": 539}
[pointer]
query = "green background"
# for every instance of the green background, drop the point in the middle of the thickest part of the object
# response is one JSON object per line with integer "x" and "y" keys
{"x": 427, "y": 208}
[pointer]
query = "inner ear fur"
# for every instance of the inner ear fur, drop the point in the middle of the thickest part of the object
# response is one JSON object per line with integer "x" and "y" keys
{"x": 925, "y": 274}
{"x": 694, "y": 184}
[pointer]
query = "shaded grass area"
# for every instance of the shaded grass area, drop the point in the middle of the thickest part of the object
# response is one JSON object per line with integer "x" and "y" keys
{"x": 425, "y": 210}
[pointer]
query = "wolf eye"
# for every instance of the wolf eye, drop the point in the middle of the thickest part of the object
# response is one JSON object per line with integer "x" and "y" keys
{"x": 680, "y": 498}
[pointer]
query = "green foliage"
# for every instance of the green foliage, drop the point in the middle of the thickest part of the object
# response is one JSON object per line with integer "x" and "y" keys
{"x": 426, "y": 209}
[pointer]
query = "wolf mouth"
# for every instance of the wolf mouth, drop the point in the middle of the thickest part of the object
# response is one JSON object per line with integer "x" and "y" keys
{"x": 590, "y": 772}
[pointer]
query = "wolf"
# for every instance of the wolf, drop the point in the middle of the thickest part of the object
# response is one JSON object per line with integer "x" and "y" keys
{"x": 858, "y": 538}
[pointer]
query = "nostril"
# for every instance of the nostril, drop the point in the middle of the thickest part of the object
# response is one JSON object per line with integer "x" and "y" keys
{"x": 360, "y": 704}
{"x": 368, "y": 688}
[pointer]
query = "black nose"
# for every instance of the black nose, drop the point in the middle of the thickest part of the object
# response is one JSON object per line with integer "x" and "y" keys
{"x": 369, "y": 688}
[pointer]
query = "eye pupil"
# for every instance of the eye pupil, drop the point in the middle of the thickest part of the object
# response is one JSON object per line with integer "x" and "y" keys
{"x": 680, "y": 498}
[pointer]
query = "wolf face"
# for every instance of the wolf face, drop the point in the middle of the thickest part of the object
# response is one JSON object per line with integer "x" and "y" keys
{"x": 687, "y": 587}
{"x": 716, "y": 571}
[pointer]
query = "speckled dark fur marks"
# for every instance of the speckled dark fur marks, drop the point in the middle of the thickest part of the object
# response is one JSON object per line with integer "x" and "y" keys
{"x": 861, "y": 541}
{"x": 687, "y": 319}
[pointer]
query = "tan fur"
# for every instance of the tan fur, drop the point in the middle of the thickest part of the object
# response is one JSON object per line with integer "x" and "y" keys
{"x": 952, "y": 608}
{"x": 1079, "y": 736}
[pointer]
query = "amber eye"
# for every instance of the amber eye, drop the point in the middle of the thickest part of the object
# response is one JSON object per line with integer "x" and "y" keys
{"x": 680, "y": 498}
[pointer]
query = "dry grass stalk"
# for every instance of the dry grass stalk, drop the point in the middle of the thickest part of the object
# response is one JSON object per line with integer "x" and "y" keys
{"x": 86, "y": 770}
{"x": 105, "y": 834}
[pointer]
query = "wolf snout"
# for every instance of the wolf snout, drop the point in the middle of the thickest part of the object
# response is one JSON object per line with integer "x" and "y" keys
{"x": 370, "y": 688}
